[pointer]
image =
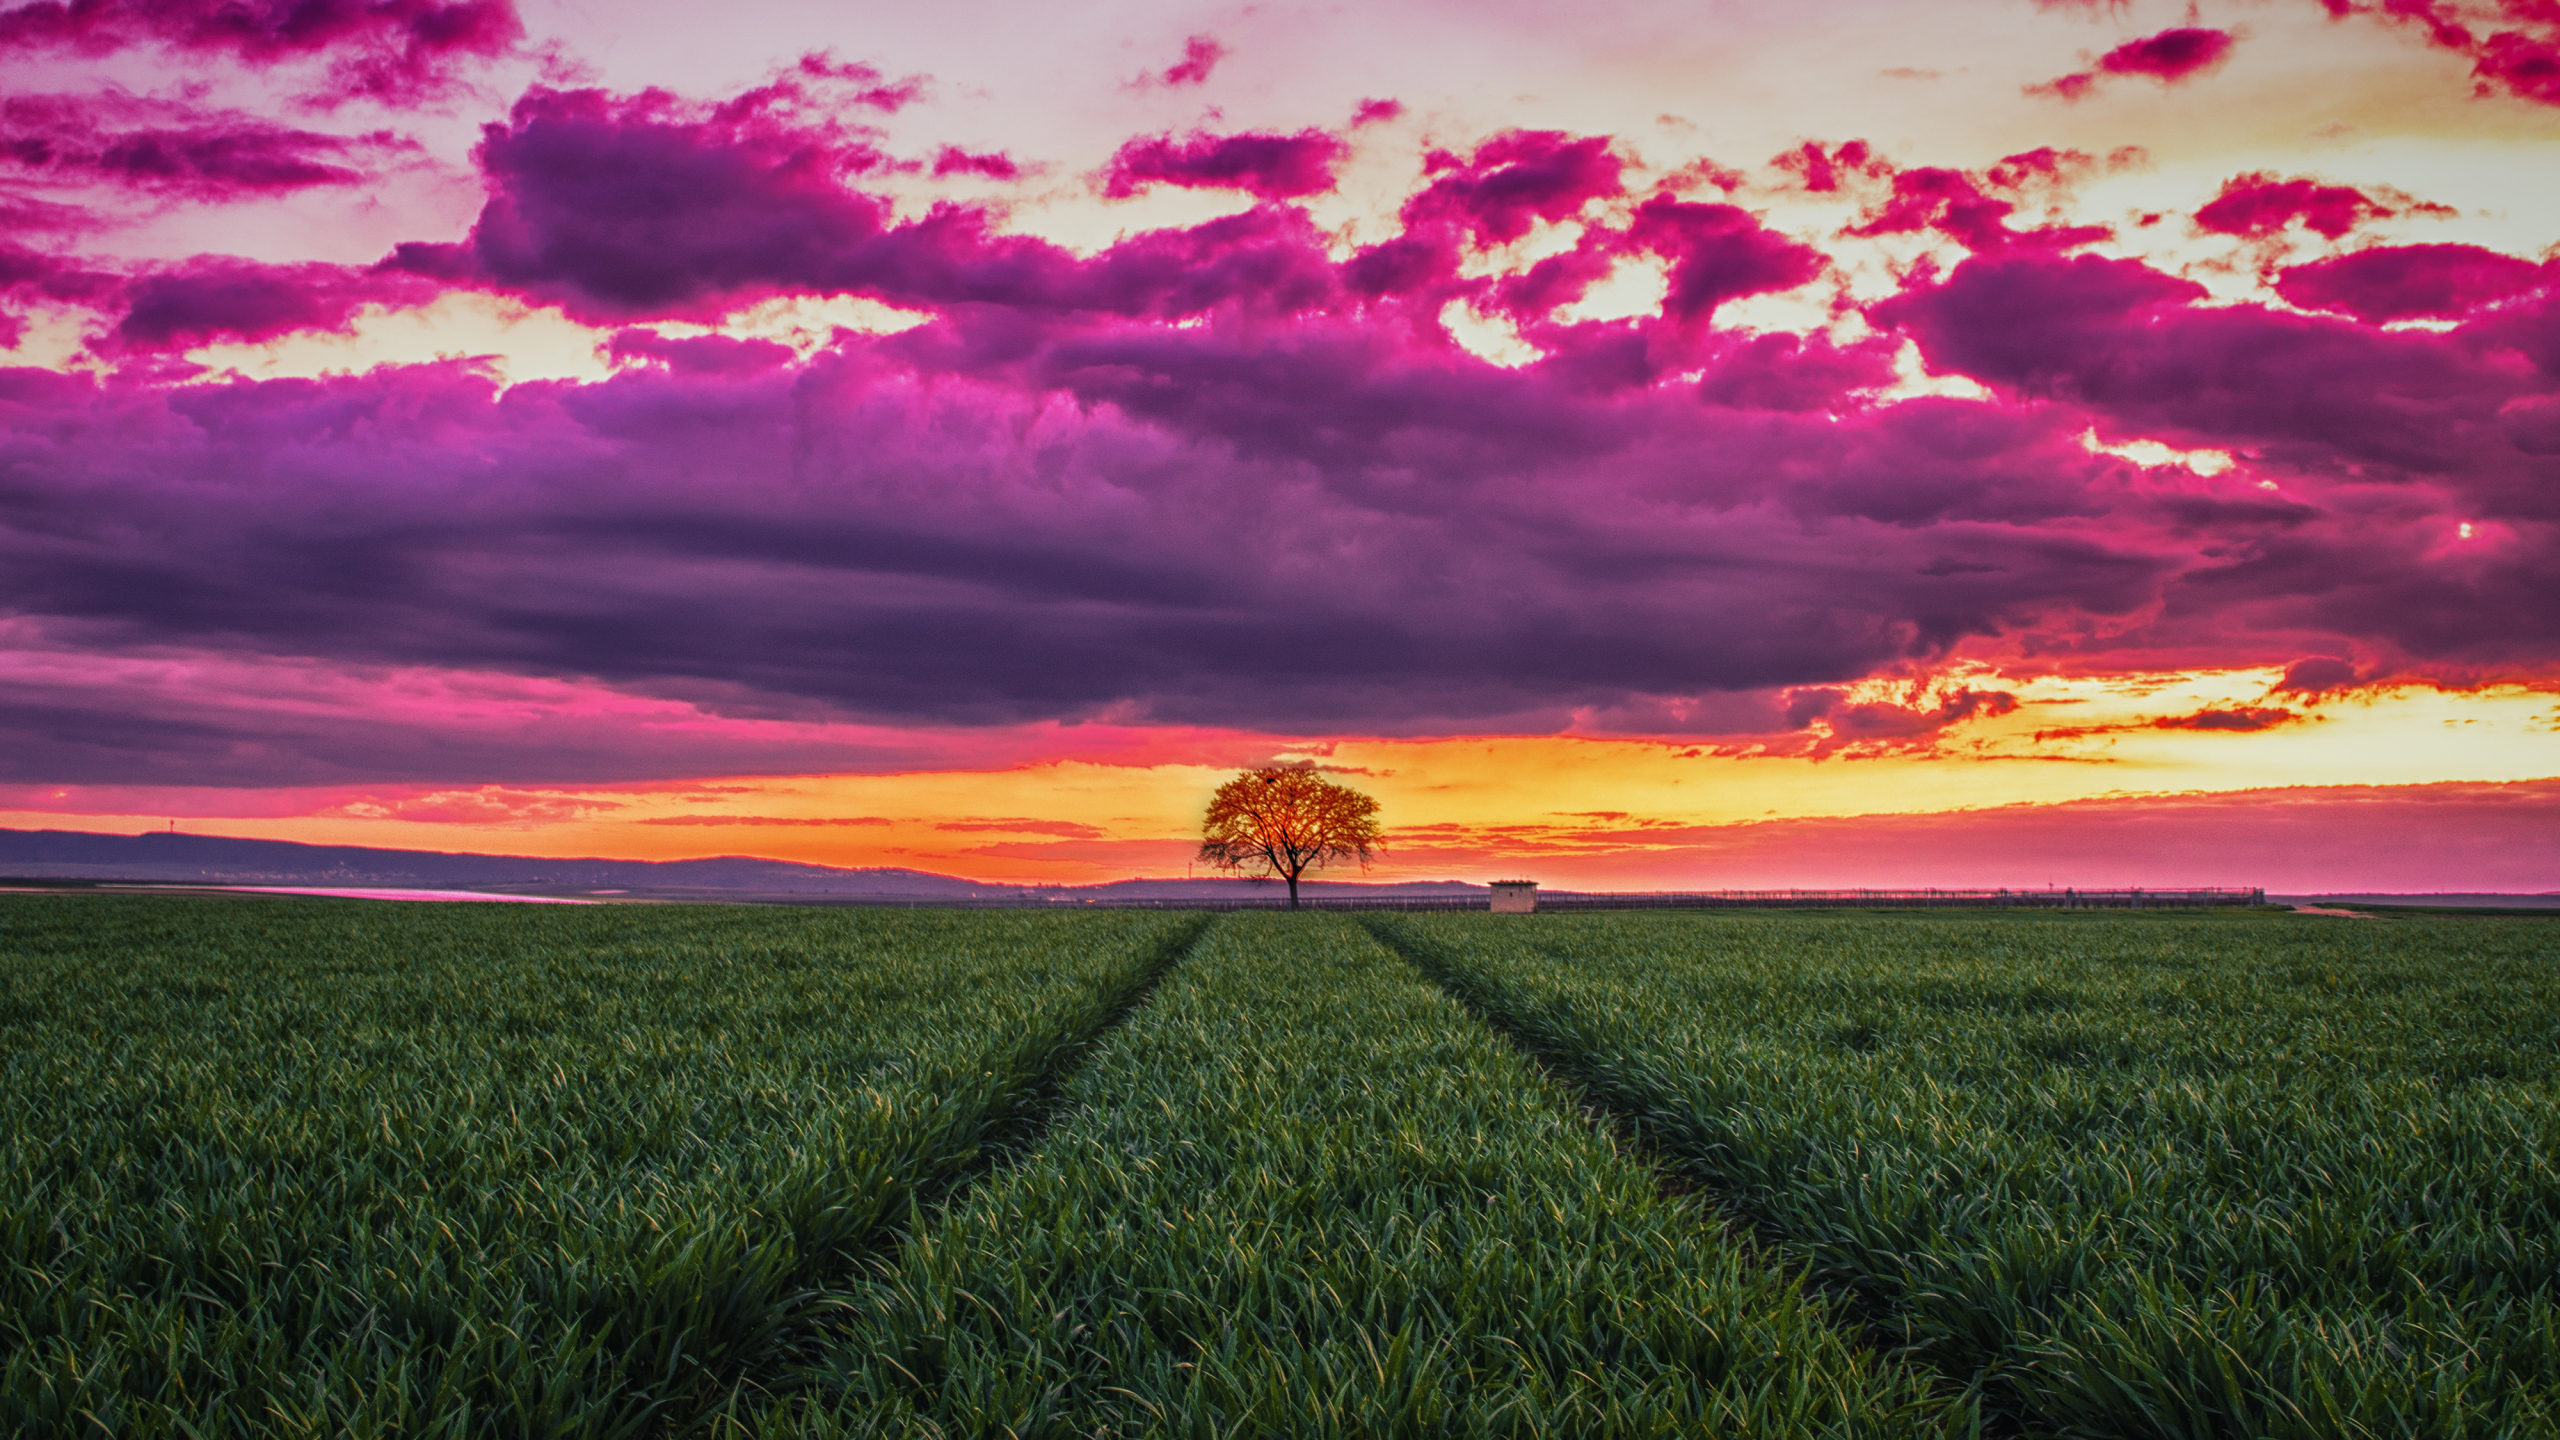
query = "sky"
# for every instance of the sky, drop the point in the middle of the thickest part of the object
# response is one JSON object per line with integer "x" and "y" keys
{"x": 1677, "y": 446}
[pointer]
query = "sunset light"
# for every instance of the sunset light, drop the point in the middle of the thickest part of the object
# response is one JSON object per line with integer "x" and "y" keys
{"x": 980, "y": 720}
{"x": 959, "y": 438}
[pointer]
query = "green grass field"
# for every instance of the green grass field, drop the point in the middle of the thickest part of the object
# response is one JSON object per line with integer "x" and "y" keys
{"x": 302, "y": 1167}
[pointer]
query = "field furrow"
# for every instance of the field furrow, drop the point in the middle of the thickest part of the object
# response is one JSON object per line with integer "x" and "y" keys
{"x": 1303, "y": 1193}
{"x": 321, "y": 1168}
{"x": 2245, "y": 1176}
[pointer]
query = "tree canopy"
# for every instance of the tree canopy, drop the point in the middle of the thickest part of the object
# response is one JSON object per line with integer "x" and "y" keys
{"x": 1283, "y": 821}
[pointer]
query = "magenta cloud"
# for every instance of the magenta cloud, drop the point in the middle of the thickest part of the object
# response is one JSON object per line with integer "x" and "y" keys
{"x": 1200, "y": 56}
{"x": 2261, "y": 204}
{"x": 395, "y": 51}
{"x": 994, "y": 165}
{"x": 1273, "y": 167}
{"x": 217, "y": 299}
{"x": 1241, "y": 474}
{"x": 2412, "y": 282}
{"x": 2170, "y": 57}
{"x": 2522, "y": 58}
{"x": 172, "y": 148}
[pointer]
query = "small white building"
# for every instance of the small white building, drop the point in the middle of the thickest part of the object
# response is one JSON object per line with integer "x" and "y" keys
{"x": 1515, "y": 897}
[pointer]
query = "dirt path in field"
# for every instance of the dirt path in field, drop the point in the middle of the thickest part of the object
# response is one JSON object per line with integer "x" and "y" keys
{"x": 2341, "y": 914}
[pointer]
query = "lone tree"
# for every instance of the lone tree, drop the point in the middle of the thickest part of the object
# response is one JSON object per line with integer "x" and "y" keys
{"x": 1284, "y": 822}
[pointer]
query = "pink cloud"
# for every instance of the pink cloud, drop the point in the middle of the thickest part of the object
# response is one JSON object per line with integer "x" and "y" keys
{"x": 819, "y": 78}
{"x": 1200, "y": 55}
{"x": 1825, "y": 170}
{"x": 1879, "y": 727}
{"x": 994, "y": 165}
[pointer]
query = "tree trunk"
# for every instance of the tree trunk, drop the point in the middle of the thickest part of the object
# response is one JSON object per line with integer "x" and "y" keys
{"x": 1293, "y": 889}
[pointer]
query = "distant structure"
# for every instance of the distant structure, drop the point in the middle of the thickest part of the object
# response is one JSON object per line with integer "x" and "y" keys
{"x": 1515, "y": 897}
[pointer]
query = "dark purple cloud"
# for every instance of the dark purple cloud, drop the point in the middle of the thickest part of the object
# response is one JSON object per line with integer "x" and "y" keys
{"x": 33, "y": 273}
{"x": 623, "y": 208}
{"x": 2408, "y": 430}
{"x": 618, "y": 207}
{"x": 172, "y": 148}
{"x": 2317, "y": 675}
{"x": 1798, "y": 373}
{"x": 1334, "y": 532}
{"x": 1271, "y": 167}
{"x": 2133, "y": 345}
{"x": 395, "y": 51}
{"x": 212, "y": 298}
{"x": 2411, "y": 282}
{"x": 699, "y": 354}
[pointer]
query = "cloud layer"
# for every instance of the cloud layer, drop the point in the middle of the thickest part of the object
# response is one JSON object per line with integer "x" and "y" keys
{"x": 1248, "y": 472}
{"x": 394, "y": 51}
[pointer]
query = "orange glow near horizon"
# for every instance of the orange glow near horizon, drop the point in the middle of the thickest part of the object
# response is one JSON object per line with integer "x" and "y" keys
{"x": 1592, "y": 809}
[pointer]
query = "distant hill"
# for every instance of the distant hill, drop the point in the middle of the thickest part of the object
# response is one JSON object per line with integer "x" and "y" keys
{"x": 221, "y": 860}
